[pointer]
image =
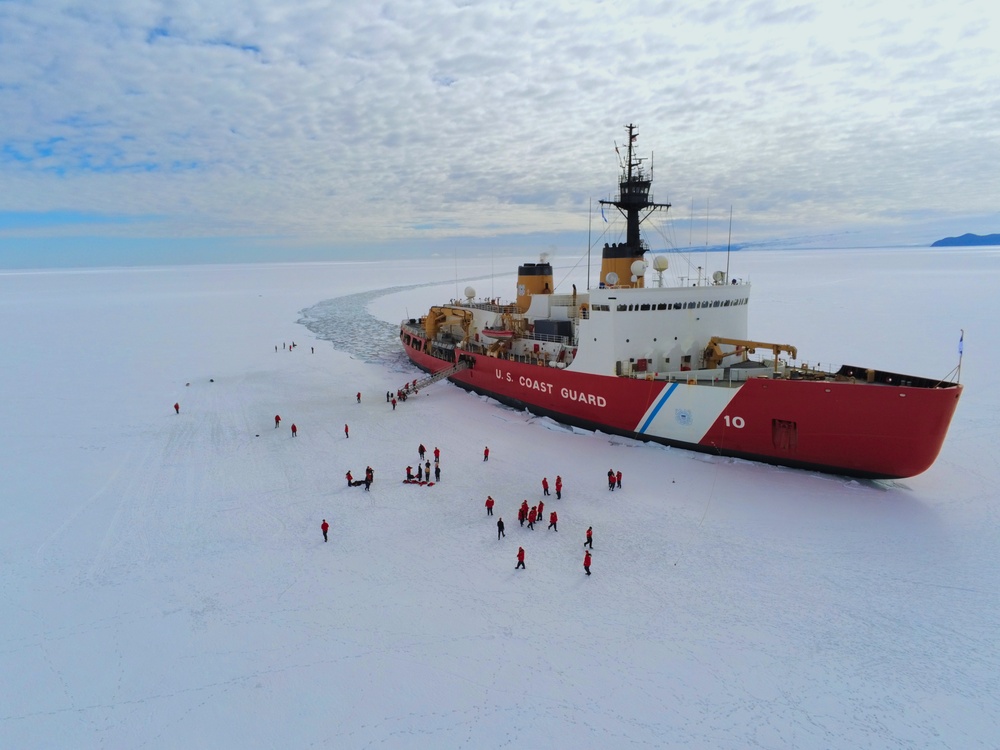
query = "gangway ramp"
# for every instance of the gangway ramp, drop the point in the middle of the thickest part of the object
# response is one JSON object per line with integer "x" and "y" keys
{"x": 416, "y": 385}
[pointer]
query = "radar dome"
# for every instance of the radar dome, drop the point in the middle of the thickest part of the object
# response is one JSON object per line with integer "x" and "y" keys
{"x": 638, "y": 268}
{"x": 719, "y": 276}
{"x": 660, "y": 262}
{"x": 469, "y": 292}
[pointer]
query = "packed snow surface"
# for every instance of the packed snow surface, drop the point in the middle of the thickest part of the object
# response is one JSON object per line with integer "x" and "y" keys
{"x": 166, "y": 584}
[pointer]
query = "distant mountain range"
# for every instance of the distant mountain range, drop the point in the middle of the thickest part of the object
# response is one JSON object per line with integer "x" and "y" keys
{"x": 969, "y": 239}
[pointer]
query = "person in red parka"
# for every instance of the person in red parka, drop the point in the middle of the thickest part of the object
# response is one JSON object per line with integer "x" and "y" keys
{"x": 349, "y": 479}
{"x": 486, "y": 453}
{"x": 586, "y": 561}
{"x": 347, "y": 431}
{"x": 520, "y": 559}
{"x": 437, "y": 454}
{"x": 541, "y": 510}
{"x": 522, "y": 514}
{"x": 618, "y": 479}
{"x": 590, "y": 537}
{"x": 325, "y": 527}
{"x": 277, "y": 421}
{"x": 177, "y": 408}
{"x": 532, "y": 515}
{"x": 558, "y": 487}
{"x": 545, "y": 485}
{"x": 489, "y": 505}
{"x": 295, "y": 430}
{"x": 553, "y": 520}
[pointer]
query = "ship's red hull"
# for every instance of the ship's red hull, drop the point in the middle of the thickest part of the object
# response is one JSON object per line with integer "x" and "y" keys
{"x": 857, "y": 429}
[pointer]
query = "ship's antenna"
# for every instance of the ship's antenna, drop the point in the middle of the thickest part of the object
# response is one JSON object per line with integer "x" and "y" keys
{"x": 707, "y": 201}
{"x": 590, "y": 221}
{"x": 729, "y": 244}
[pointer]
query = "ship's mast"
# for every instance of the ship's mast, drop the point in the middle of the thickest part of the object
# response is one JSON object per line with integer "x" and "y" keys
{"x": 633, "y": 196}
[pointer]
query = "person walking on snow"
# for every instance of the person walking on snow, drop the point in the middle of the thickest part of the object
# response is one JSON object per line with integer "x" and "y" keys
{"x": 394, "y": 404}
{"x": 277, "y": 421}
{"x": 558, "y": 487}
{"x": 177, "y": 408}
{"x": 618, "y": 479}
{"x": 325, "y": 527}
{"x": 611, "y": 479}
{"x": 586, "y": 561}
{"x": 522, "y": 513}
{"x": 500, "y": 531}
{"x": 486, "y": 453}
{"x": 532, "y": 515}
{"x": 553, "y": 520}
{"x": 349, "y": 479}
{"x": 359, "y": 397}
{"x": 295, "y": 430}
{"x": 545, "y": 486}
{"x": 590, "y": 537}
{"x": 520, "y": 559}
{"x": 489, "y": 505}
{"x": 421, "y": 450}
{"x": 347, "y": 431}
{"x": 541, "y": 510}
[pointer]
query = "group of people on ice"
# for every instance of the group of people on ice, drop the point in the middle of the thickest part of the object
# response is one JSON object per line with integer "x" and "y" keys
{"x": 614, "y": 479}
{"x": 533, "y": 514}
{"x": 423, "y": 475}
{"x": 367, "y": 481}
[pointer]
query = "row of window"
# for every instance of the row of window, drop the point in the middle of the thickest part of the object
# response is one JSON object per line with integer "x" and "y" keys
{"x": 671, "y": 305}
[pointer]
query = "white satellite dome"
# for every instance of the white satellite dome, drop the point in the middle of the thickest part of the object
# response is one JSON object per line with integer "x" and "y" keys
{"x": 469, "y": 292}
{"x": 611, "y": 279}
{"x": 638, "y": 268}
{"x": 660, "y": 262}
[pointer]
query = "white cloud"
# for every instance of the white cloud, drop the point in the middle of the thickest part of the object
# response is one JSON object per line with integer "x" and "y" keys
{"x": 343, "y": 122}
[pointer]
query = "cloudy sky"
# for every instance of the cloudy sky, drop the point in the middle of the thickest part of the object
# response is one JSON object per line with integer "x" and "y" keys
{"x": 297, "y": 127}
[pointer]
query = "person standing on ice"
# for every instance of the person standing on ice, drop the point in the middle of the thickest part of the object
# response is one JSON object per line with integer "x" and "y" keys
{"x": 325, "y": 527}
{"x": 486, "y": 453}
{"x": 437, "y": 454}
{"x": 437, "y": 473}
{"x": 520, "y": 559}
{"x": 349, "y": 478}
{"x": 558, "y": 487}
{"x": 421, "y": 450}
{"x": 420, "y": 473}
{"x": 394, "y": 404}
{"x": 347, "y": 431}
{"x": 500, "y": 531}
{"x": 489, "y": 505}
{"x": 277, "y": 421}
{"x": 540, "y": 511}
{"x": 177, "y": 408}
{"x": 553, "y": 520}
{"x": 359, "y": 397}
{"x": 522, "y": 513}
{"x": 586, "y": 561}
{"x": 611, "y": 479}
{"x": 409, "y": 473}
{"x": 590, "y": 537}
{"x": 545, "y": 486}
{"x": 295, "y": 430}
{"x": 532, "y": 515}
{"x": 618, "y": 479}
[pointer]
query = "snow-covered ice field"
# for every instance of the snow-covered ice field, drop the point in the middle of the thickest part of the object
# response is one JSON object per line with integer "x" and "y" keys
{"x": 165, "y": 583}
